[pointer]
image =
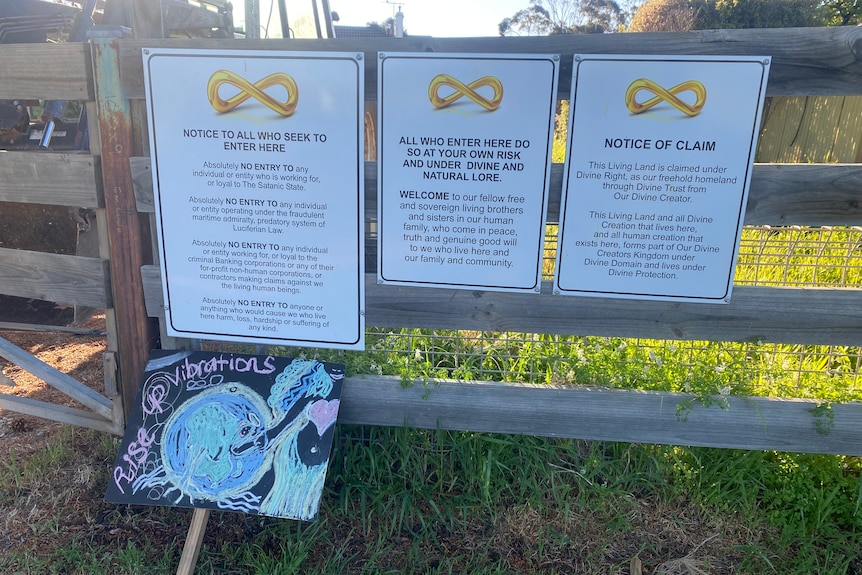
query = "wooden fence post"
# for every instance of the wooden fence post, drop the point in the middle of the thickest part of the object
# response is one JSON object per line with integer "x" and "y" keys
{"x": 134, "y": 332}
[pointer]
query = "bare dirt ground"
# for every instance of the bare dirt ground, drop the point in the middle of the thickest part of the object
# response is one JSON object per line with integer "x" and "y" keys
{"x": 63, "y": 504}
{"x": 22, "y": 437}
{"x": 79, "y": 356}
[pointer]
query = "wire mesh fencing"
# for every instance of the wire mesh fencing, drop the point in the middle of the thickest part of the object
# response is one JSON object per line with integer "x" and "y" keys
{"x": 768, "y": 256}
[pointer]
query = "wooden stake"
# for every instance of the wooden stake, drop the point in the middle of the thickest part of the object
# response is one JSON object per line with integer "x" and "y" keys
{"x": 194, "y": 540}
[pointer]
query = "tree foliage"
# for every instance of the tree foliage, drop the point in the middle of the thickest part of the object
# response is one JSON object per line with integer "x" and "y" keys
{"x": 664, "y": 16}
{"x": 843, "y": 12}
{"x": 387, "y": 27}
{"x": 676, "y": 15}
{"x": 533, "y": 20}
{"x": 543, "y": 17}
{"x": 714, "y": 14}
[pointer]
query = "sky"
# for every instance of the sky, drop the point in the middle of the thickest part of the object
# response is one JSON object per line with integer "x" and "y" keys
{"x": 440, "y": 18}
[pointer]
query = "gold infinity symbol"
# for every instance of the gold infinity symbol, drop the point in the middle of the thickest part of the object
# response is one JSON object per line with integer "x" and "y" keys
{"x": 669, "y": 96}
{"x": 469, "y": 90}
{"x": 248, "y": 90}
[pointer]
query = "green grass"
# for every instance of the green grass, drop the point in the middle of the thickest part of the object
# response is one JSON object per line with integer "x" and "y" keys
{"x": 412, "y": 501}
{"x": 809, "y": 257}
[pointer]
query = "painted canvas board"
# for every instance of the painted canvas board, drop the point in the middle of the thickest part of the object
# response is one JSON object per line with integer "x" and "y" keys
{"x": 248, "y": 433}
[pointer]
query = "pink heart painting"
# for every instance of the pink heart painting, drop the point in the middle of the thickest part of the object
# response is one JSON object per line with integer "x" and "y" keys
{"x": 323, "y": 414}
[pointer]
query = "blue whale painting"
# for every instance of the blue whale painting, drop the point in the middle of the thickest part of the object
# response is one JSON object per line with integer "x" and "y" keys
{"x": 230, "y": 431}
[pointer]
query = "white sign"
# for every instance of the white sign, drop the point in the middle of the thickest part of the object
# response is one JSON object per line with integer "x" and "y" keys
{"x": 658, "y": 167}
{"x": 464, "y": 165}
{"x": 257, "y": 172}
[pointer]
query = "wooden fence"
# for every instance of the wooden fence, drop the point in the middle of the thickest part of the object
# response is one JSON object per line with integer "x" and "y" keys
{"x": 803, "y": 129}
{"x": 805, "y": 62}
{"x": 65, "y": 179}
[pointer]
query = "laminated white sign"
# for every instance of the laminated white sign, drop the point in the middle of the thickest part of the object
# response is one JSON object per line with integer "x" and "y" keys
{"x": 658, "y": 166}
{"x": 258, "y": 171}
{"x": 464, "y": 165}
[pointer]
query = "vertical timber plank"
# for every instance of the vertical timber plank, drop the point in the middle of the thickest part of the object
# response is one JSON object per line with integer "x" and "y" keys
{"x": 252, "y": 19}
{"x": 124, "y": 231}
{"x": 101, "y": 227}
{"x": 146, "y": 19}
{"x": 194, "y": 540}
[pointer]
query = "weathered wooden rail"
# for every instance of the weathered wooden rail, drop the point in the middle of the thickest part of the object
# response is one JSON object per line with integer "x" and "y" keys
{"x": 825, "y": 61}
